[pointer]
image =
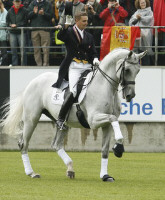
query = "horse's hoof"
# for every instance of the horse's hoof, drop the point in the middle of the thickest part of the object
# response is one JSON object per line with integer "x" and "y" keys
{"x": 107, "y": 178}
{"x": 70, "y": 174}
{"x": 34, "y": 175}
{"x": 118, "y": 150}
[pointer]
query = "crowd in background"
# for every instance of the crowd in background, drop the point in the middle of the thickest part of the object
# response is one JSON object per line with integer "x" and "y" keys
{"x": 51, "y": 13}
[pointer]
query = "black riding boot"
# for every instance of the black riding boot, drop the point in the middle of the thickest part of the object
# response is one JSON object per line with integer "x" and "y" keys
{"x": 68, "y": 102}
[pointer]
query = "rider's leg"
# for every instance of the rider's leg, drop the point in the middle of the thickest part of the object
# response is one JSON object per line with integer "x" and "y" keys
{"x": 75, "y": 71}
{"x": 74, "y": 75}
{"x": 68, "y": 102}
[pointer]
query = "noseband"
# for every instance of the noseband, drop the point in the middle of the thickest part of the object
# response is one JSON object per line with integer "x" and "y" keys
{"x": 122, "y": 80}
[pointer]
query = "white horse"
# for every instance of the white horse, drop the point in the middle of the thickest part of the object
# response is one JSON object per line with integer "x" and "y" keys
{"x": 101, "y": 107}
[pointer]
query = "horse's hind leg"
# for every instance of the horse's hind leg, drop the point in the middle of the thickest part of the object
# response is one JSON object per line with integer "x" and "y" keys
{"x": 57, "y": 145}
{"x": 28, "y": 129}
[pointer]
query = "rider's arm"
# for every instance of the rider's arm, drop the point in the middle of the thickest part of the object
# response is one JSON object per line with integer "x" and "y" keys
{"x": 62, "y": 34}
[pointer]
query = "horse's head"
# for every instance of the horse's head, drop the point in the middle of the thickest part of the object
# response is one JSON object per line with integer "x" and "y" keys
{"x": 126, "y": 71}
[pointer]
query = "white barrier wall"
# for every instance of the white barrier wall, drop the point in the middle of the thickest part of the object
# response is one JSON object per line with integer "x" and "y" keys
{"x": 138, "y": 137}
{"x": 147, "y": 106}
{"x": 142, "y": 120}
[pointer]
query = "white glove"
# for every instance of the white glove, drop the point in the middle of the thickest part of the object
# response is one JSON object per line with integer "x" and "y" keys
{"x": 68, "y": 19}
{"x": 96, "y": 61}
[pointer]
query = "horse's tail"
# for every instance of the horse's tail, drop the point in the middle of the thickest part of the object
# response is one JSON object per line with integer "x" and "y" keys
{"x": 12, "y": 117}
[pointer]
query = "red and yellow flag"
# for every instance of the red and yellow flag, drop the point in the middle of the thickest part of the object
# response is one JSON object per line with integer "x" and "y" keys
{"x": 118, "y": 36}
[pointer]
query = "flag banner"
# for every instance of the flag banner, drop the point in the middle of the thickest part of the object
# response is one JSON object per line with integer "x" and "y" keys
{"x": 118, "y": 36}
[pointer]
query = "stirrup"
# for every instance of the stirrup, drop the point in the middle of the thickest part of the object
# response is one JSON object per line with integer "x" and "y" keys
{"x": 61, "y": 125}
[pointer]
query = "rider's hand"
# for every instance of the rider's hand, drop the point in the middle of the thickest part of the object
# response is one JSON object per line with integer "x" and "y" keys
{"x": 96, "y": 61}
{"x": 68, "y": 20}
{"x": 58, "y": 26}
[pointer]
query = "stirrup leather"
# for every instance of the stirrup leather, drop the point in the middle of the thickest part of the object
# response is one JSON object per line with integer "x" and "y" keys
{"x": 61, "y": 125}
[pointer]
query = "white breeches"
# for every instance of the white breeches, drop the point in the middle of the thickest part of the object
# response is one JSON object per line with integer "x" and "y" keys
{"x": 75, "y": 71}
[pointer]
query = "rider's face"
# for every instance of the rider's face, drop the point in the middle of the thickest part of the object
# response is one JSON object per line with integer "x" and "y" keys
{"x": 82, "y": 22}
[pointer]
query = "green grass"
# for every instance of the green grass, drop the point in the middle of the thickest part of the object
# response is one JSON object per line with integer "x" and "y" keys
{"x": 139, "y": 176}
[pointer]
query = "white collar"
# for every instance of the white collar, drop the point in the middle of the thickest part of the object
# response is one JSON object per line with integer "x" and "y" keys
{"x": 39, "y": 1}
{"x": 80, "y": 31}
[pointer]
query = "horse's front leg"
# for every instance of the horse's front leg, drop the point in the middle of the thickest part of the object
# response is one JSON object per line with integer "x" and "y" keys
{"x": 105, "y": 153}
{"x": 101, "y": 120}
{"x": 57, "y": 145}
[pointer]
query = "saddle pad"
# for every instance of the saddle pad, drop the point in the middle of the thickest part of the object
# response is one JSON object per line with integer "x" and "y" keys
{"x": 58, "y": 94}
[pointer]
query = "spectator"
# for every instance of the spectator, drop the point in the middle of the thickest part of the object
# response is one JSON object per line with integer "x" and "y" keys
{"x": 60, "y": 5}
{"x": 129, "y": 6}
{"x": 159, "y": 19}
{"x": 93, "y": 9}
{"x": 113, "y": 14}
{"x": 104, "y": 3}
{"x": 83, "y": 1}
{"x": 71, "y": 8}
{"x": 151, "y": 4}
{"x": 7, "y": 4}
{"x": 26, "y": 3}
{"x": 40, "y": 15}
{"x": 17, "y": 17}
{"x": 3, "y": 35}
{"x": 144, "y": 17}
{"x": 54, "y": 12}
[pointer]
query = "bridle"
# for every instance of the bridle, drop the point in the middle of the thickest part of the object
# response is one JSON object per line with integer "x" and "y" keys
{"x": 122, "y": 80}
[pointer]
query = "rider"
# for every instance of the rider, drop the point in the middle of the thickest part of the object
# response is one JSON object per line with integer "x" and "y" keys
{"x": 81, "y": 54}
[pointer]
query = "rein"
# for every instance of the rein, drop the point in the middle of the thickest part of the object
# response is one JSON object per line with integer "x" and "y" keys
{"x": 93, "y": 75}
{"x": 108, "y": 78}
{"x": 122, "y": 80}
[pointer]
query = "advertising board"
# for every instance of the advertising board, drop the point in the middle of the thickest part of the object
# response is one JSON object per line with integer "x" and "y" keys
{"x": 147, "y": 106}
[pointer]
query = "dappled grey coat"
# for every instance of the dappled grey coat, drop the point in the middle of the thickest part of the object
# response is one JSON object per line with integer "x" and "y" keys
{"x": 147, "y": 19}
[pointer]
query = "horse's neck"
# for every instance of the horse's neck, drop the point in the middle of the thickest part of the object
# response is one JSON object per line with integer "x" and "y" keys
{"x": 108, "y": 66}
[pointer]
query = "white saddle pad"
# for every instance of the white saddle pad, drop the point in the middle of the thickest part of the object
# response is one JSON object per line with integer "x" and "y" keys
{"x": 58, "y": 94}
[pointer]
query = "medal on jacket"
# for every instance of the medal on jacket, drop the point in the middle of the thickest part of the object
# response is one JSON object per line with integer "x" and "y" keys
{"x": 77, "y": 34}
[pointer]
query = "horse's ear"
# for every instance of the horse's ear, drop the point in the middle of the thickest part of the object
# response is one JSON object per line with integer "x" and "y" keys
{"x": 141, "y": 55}
{"x": 130, "y": 54}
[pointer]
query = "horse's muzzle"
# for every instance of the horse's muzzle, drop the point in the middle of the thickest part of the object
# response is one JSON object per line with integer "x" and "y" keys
{"x": 129, "y": 97}
{"x": 128, "y": 93}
